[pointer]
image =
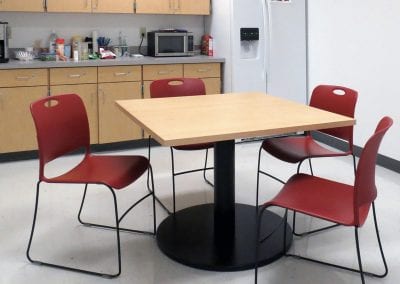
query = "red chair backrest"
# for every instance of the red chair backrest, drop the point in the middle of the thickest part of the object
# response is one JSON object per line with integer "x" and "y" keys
{"x": 340, "y": 100}
{"x": 61, "y": 127}
{"x": 364, "y": 186}
{"x": 177, "y": 87}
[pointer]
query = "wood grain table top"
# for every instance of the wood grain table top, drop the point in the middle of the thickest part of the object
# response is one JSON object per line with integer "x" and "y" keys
{"x": 211, "y": 118}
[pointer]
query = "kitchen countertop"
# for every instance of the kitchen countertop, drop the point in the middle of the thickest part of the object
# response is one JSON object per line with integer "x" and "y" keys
{"x": 146, "y": 60}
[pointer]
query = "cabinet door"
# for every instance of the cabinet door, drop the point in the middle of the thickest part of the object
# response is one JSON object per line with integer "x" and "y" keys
{"x": 22, "y": 5}
{"x": 213, "y": 85}
{"x": 155, "y": 6}
{"x": 112, "y": 6}
{"x": 17, "y": 130}
{"x": 114, "y": 125}
{"x": 69, "y": 6}
{"x": 192, "y": 7}
{"x": 88, "y": 93}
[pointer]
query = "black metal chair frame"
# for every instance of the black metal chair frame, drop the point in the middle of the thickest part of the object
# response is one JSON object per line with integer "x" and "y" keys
{"x": 359, "y": 270}
{"x": 117, "y": 227}
{"x": 259, "y": 171}
{"x": 174, "y": 174}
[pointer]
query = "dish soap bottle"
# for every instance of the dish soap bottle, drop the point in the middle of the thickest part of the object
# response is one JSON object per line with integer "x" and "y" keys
{"x": 52, "y": 42}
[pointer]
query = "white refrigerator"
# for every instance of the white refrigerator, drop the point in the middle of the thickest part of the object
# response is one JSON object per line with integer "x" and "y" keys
{"x": 272, "y": 61}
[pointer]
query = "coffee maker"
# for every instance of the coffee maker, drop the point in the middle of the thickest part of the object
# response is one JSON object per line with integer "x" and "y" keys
{"x": 3, "y": 43}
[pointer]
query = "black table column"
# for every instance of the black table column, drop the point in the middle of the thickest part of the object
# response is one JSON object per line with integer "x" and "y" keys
{"x": 221, "y": 236}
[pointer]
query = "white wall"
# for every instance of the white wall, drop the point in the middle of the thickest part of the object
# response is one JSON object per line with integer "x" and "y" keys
{"x": 356, "y": 43}
{"x": 29, "y": 27}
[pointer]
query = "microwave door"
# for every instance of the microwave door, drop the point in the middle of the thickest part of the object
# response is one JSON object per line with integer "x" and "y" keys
{"x": 169, "y": 44}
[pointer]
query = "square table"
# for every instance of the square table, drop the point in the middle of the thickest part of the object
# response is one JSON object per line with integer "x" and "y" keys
{"x": 221, "y": 236}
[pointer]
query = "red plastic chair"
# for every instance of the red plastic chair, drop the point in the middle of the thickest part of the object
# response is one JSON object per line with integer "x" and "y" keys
{"x": 297, "y": 149}
{"x": 62, "y": 127}
{"x": 337, "y": 202}
{"x": 178, "y": 87}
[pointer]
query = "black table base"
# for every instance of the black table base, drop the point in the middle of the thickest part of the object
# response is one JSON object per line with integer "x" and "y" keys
{"x": 189, "y": 237}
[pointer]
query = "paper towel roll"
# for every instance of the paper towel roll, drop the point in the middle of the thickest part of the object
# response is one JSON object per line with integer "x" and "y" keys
{"x": 95, "y": 44}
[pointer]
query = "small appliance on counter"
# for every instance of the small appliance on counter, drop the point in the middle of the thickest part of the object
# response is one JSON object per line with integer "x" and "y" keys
{"x": 4, "y": 54}
{"x": 170, "y": 42}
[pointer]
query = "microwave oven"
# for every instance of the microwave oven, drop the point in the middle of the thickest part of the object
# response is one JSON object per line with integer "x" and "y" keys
{"x": 170, "y": 43}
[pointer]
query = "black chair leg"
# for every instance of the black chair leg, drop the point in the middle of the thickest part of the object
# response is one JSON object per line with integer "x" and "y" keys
{"x": 68, "y": 267}
{"x": 379, "y": 243}
{"x": 205, "y": 169}
{"x": 259, "y": 171}
{"x": 33, "y": 225}
{"x": 359, "y": 255}
{"x": 258, "y": 175}
{"x": 360, "y": 270}
{"x": 87, "y": 224}
{"x": 173, "y": 180}
{"x": 257, "y": 240}
{"x": 148, "y": 179}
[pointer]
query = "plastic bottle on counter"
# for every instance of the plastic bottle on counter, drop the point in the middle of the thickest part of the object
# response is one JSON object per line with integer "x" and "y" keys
{"x": 76, "y": 47}
{"x": 52, "y": 42}
{"x": 94, "y": 42}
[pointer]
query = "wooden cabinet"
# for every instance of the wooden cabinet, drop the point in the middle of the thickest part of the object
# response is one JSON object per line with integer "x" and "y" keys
{"x": 22, "y": 5}
{"x": 84, "y": 6}
{"x": 99, "y": 88}
{"x": 210, "y": 73}
{"x": 87, "y": 6}
{"x": 193, "y": 7}
{"x": 18, "y": 89}
{"x": 83, "y": 82}
{"x": 188, "y": 7}
{"x": 117, "y": 83}
{"x": 112, "y": 6}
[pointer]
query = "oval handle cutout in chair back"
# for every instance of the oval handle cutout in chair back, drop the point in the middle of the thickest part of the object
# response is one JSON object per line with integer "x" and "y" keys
{"x": 339, "y": 92}
{"x": 51, "y": 103}
{"x": 175, "y": 83}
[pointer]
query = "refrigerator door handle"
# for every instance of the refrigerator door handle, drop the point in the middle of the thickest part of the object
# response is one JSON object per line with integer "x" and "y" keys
{"x": 267, "y": 19}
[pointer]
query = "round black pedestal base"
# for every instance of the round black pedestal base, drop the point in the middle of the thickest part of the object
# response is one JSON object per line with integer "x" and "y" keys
{"x": 188, "y": 237}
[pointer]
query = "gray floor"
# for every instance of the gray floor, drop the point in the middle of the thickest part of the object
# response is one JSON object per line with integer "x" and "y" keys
{"x": 60, "y": 238}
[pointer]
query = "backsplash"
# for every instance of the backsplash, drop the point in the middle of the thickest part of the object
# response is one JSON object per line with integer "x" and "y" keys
{"x": 30, "y": 28}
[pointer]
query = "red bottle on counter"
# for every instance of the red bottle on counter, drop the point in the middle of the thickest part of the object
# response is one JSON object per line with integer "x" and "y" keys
{"x": 207, "y": 45}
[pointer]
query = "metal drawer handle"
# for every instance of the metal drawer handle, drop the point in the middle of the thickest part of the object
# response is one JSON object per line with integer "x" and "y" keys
{"x": 116, "y": 74}
{"x": 24, "y": 78}
{"x": 76, "y": 75}
{"x": 203, "y": 70}
{"x": 164, "y": 72}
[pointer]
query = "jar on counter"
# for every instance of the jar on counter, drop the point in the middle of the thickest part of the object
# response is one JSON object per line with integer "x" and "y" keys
{"x": 76, "y": 47}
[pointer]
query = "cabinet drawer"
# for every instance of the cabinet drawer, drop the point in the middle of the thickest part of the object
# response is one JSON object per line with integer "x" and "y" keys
{"x": 120, "y": 74}
{"x": 202, "y": 70}
{"x": 23, "y": 77}
{"x": 75, "y": 75}
{"x": 155, "y": 72}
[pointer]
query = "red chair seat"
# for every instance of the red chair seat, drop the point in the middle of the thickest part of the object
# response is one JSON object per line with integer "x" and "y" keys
{"x": 114, "y": 171}
{"x": 200, "y": 146}
{"x": 333, "y": 201}
{"x": 294, "y": 149}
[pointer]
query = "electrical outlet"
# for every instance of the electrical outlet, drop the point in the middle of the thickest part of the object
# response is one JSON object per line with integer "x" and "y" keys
{"x": 142, "y": 32}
